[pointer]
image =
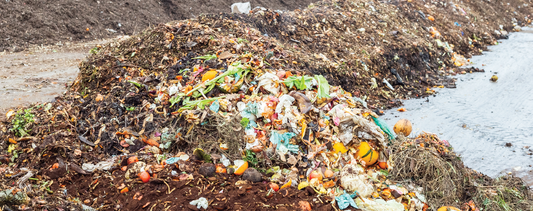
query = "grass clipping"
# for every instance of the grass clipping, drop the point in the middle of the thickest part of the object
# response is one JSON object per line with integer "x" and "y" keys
{"x": 430, "y": 163}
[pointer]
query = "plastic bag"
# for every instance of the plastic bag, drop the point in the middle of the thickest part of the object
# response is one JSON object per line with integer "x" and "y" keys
{"x": 200, "y": 203}
{"x": 356, "y": 99}
{"x": 240, "y": 7}
{"x": 225, "y": 161}
{"x": 354, "y": 179}
{"x": 369, "y": 127}
{"x": 379, "y": 205}
{"x": 384, "y": 127}
{"x": 215, "y": 106}
{"x": 284, "y": 104}
{"x": 338, "y": 113}
{"x": 269, "y": 82}
{"x": 282, "y": 141}
{"x": 345, "y": 200}
{"x": 172, "y": 160}
{"x": 102, "y": 166}
{"x": 248, "y": 111}
{"x": 346, "y": 134}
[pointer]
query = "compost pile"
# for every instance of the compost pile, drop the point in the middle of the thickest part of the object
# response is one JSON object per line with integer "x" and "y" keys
{"x": 26, "y": 23}
{"x": 262, "y": 111}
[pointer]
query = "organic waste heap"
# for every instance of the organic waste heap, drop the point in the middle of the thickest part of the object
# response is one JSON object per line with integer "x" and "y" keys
{"x": 239, "y": 112}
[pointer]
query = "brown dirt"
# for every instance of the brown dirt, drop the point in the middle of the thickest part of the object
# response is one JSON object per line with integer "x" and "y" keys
{"x": 39, "y": 74}
{"x": 26, "y": 22}
{"x": 220, "y": 192}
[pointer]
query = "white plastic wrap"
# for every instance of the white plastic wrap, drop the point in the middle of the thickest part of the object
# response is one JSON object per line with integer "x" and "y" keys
{"x": 379, "y": 205}
{"x": 284, "y": 104}
{"x": 353, "y": 178}
{"x": 270, "y": 82}
{"x": 200, "y": 203}
{"x": 102, "y": 166}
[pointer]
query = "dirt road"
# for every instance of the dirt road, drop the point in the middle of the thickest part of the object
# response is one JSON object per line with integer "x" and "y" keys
{"x": 39, "y": 74}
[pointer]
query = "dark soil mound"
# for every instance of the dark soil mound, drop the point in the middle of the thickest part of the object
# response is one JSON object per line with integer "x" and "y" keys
{"x": 26, "y": 22}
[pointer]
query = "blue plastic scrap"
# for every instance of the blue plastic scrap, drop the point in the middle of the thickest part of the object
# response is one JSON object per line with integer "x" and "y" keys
{"x": 356, "y": 99}
{"x": 283, "y": 139}
{"x": 172, "y": 160}
{"x": 250, "y": 112}
{"x": 345, "y": 200}
{"x": 215, "y": 106}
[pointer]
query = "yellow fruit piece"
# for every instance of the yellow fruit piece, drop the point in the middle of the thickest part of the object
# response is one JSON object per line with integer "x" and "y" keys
{"x": 10, "y": 113}
{"x": 209, "y": 75}
{"x": 403, "y": 126}
{"x": 446, "y": 208}
{"x": 302, "y": 185}
{"x": 339, "y": 147}
{"x": 367, "y": 154}
{"x": 241, "y": 169}
{"x": 288, "y": 184}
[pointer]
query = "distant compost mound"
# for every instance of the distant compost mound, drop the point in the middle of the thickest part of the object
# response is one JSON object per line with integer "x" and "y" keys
{"x": 26, "y": 22}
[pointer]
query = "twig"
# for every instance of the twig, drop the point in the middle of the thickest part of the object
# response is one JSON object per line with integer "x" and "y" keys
{"x": 153, "y": 206}
{"x": 167, "y": 186}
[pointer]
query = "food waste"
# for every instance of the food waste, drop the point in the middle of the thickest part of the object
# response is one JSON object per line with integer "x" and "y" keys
{"x": 231, "y": 112}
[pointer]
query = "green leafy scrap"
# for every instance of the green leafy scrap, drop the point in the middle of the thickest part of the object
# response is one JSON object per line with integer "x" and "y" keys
{"x": 207, "y": 57}
{"x": 234, "y": 68}
{"x": 244, "y": 122}
{"x": 136, "y": 84}
{"x": 94, "y": 50}
{"x": 21, "y": 121}
{"x": 175, "y": 99}
{"x": 301, "y": 82}
{"x": 323, "y": 87}
{"x": 198, "y": 103}
{"x": 251, "y": 158}
{"x": 205, "y": 91}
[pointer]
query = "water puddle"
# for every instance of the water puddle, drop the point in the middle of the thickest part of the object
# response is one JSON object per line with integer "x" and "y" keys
{"x": 479, "y": 118}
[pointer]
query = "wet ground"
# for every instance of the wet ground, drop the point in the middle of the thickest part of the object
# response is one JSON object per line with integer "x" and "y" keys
{"x": 39, "y": 74}
{"x": 489, "y": 123}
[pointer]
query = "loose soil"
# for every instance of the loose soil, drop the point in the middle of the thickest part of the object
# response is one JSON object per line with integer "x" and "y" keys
{"x": 27, "y": 22}
{"x": 225, "y": 192}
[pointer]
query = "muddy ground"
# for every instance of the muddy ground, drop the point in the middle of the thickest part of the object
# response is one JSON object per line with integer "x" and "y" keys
{"x": 24, "y": 22}
{"x": 482, "y": 116}
{"x": 39, "y": 74}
